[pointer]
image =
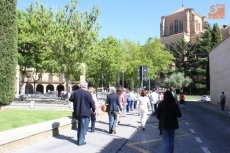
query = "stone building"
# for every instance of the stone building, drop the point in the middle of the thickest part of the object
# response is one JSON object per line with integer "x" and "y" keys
{"x": 183, "y": 23}
{"x": 43, "y": 82}
{"x": 219, "y": 59}
{"x": 186, "y": 24}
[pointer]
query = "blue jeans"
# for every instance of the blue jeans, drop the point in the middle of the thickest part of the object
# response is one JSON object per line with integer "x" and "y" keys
{"x": 152, "y": 107}
{"x": 168, "y": 140}
{"x": 82, "y": 123}
{"x": 112, "y": 120}
{"x": 130, "y": 105}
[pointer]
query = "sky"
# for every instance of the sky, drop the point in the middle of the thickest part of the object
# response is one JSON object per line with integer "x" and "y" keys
{"x": 135, "y": 20}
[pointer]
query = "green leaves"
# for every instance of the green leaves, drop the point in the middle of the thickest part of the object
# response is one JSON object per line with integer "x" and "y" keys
{"x": 177, "y": 81}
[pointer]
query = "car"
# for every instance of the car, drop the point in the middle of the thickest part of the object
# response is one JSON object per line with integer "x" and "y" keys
{"x": 36, "y": 95}
{"x": 205, "y": 98}
{"x": 51, "y": 94}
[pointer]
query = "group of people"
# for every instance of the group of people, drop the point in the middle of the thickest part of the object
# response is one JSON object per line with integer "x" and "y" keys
{"x": 163, "y": 105}
{"x": 120, "y": 101}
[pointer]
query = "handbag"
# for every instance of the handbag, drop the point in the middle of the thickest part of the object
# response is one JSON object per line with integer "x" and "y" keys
{"x": 104, "y": 108}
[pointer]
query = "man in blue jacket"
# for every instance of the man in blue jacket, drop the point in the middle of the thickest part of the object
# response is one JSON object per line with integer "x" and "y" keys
{"x": 83, "y": 106}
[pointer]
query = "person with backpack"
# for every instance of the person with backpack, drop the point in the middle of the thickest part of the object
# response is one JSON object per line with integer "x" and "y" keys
{"x": 182, "y": 100}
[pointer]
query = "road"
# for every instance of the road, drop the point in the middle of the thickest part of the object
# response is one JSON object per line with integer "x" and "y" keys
{"x": 209, "y": 125}
{"x": 204, "y": 128}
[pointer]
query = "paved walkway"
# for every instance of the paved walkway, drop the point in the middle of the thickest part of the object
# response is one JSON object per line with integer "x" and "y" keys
{"x": 129, "y": 138}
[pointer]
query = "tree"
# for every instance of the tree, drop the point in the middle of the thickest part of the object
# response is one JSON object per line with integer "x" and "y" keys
{"x": 183, "y": 53}
{"x": 8, "y": 50}
{"x": 32, "y": 26}
{"x": 70, "y": 37}
{"x": 216, "y": 35}
{"x": 155, "y": 55}
{"x": 177, "y": 81}
{"x": 202, "y": 48}
{"x": 105, "y": 60}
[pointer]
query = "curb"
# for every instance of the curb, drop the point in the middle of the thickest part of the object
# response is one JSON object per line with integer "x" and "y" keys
{"x": 20, "y": 137}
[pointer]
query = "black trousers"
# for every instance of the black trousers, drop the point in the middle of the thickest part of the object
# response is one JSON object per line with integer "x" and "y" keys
{"x": 222, "y": 104}
{"x": 93, "y": 120}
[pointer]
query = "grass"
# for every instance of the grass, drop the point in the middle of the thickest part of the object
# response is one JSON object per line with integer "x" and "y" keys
{"x": 191, "y": 97}
{"x": 10, "y": 119}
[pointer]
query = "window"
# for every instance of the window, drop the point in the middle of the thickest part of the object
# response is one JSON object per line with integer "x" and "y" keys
{"x": 176, "y": 26}
{"x": 171, "y": 28}
{"x": 181, "y": 25}
{"x": 50, "y": 78}
{"x": 199, "y": 26}
{"x": 196, "y": 25}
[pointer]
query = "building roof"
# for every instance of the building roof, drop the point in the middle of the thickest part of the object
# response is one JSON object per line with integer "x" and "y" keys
{"x": 179, "y": 10}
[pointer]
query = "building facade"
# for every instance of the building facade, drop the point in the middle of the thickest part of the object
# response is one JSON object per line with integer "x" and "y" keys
{"x": 184, "y": 23}
{"x": 219, "y": 59}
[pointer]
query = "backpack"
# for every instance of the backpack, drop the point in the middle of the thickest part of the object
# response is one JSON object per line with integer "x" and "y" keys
{"x": 129, "y": 97}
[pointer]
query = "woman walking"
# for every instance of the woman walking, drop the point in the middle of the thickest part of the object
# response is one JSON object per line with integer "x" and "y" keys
{"x": 93, "y": 115}
{"x": 113, "y": 109}
{"x": 143, "y": 103}
{"x": 167, "y": 113}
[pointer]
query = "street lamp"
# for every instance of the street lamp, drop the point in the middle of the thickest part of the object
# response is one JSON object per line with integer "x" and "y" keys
{"x": 123, "y": 71}
{"x": 190, "y": 83}
{"x": 102, "y": 77}
{"x": 149, "y": 63}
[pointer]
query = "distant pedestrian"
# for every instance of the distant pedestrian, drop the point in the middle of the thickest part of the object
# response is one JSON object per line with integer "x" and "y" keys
{"x": 143, "y": 104}
{"x": 84, "y": 106}
{"x": 122, "y": 104}
{"x": 113, "y": 103}
{"x": 182, "y": 100}
{"x": 222, "y": 101}
{"x": 93, "y": 115}
{"x": 167, "y": 113}
{"x": 154, "y": 99}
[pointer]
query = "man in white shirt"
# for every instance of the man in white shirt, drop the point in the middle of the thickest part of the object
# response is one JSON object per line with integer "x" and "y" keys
{"x": 154, "y": 98}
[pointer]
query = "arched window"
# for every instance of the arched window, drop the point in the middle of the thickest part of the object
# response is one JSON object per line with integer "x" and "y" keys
{"x": 176, "y": 26}
{"x": 181, "y": 25}
{"x": 171, "y": 28}
{"x": 199, "y": 26}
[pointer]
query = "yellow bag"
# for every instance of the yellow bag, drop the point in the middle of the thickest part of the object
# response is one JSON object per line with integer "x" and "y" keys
{"x": 104, "y": 108}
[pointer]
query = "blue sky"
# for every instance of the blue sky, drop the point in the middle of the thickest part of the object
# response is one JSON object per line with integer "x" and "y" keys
{"x": 136, "y": 20}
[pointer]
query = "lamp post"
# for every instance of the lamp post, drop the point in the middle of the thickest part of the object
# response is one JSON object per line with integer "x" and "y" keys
{"x": 149, "y": 63}
{"x": 102, "y": 77}
{"x": 190, "y": 83}
{"x": 123, "y": 71}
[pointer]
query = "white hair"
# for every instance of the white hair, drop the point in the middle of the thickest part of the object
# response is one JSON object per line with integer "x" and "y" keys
{"x": 112, "y": 90}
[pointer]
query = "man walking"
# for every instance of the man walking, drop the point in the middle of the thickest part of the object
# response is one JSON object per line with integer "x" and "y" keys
{"x": 222, "y": 101}
{"x": 84, "y": 106}
{"x": 154, "y": 98}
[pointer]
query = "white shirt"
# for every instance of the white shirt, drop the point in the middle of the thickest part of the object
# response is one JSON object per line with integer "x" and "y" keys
{"x": 143, "y": 102}
{"x": 133, "y": 96}
{"x": 95, "y": 99}
{"x": 155, "y": 97}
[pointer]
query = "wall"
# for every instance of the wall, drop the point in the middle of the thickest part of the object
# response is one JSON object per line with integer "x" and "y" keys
{"x": 219, "y": 59}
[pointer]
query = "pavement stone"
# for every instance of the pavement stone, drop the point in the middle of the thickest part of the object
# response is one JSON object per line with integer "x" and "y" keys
{"x": 130, "y": 138}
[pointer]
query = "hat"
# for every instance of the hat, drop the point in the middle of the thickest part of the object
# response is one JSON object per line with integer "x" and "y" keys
{"x": 83, "y": 85}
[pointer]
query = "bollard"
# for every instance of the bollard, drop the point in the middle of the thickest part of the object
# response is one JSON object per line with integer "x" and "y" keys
{"x": 31, "y": 104}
